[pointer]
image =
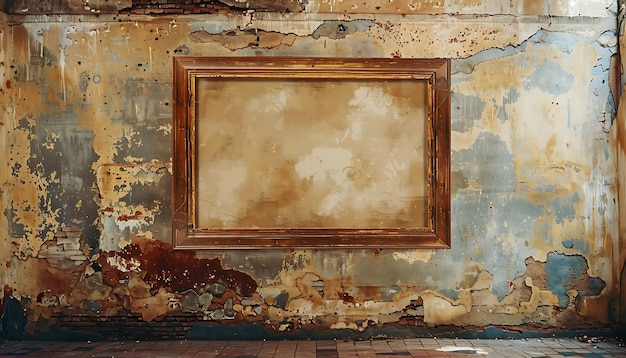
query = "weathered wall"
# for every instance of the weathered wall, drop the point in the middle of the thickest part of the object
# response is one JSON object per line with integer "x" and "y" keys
{"x": 620, "y": 147}
{"x": 5, "y": 110}
{"x": 86, "y": 108}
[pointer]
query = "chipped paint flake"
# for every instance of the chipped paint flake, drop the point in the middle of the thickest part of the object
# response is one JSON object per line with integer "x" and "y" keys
{"x": 413, "y": 256}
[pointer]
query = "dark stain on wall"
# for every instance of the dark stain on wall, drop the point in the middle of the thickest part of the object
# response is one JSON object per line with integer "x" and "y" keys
{"x": 622, "y": 303}
{"x": 177, "y": 271}
{"x": 62, "y": 149}
{"x": 66, "y": 148}
{"x": 148, "y": 109}
{"x": 12, "y": 316}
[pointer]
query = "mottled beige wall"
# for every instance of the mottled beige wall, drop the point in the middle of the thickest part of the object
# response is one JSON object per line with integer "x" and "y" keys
{"x": 490, "y": 7}
{"x": 5, "y": 117}
{"x": 535, "y": 237}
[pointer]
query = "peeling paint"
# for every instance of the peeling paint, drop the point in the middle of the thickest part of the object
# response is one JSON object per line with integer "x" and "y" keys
{"x": 340, "y": 29}
{"x": 161, "y": 267}
{"x": 85, "y": 120}
{"x": 253, "y": 38}
{"x": 568, "y": 273}
{"x": 267, "y": 5}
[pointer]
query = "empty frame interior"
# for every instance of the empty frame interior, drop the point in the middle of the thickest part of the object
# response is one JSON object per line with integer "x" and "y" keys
{"x": 310, "y": 152}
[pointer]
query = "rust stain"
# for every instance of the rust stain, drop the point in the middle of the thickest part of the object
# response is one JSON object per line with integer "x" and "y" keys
{"x": 177, "y": 271}
{"x": 368, "y": 293}
{"x": 346, "y": 298}
{"x": 136, "y": 216}
{"x": 621, "y": 133}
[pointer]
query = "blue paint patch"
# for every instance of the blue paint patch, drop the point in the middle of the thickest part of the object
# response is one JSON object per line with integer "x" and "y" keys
{"x": 509, "y": 98}
{"x": 478, "y": 234}
{"x": 566, "y": 272}
{"x": 487, "y": 214}
{"x": 562, "y": 273}
{"x": 564, "y": 207}
{"x": 467, "y": 65}
{"x": 466, "y": 111}
{"x": 281, "y": 300}
{"x": 550, "y": 78}
{"x": 487, "y": 163}
{"x": 578, "y": 245}
{"x": 594, "y": 287}
{"x": 600, "y": 89}
{"x": 563, "y": 41}
{"x": 337, "y": 29}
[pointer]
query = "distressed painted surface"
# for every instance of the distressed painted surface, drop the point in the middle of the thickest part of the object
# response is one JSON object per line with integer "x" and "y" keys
{"x": 321, "y": 154}
{"x": 6, "y": 108}
{"x": 619, "y": 138}
{"x": 594, "y": 8}
{"x": 86, "y": 126}
{"x": 511, "y": 7}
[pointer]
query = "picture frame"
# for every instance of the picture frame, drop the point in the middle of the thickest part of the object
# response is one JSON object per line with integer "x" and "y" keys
{"x": 300, "y": 152}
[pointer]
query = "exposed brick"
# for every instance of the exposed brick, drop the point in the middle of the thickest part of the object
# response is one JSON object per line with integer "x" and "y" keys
{"x": 83, "y": 324}
{"x": 128, "y": 325}
{"x": 174, "y": 11}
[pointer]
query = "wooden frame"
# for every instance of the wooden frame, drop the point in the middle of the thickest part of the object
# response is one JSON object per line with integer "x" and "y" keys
{"x": 210, "y": 91}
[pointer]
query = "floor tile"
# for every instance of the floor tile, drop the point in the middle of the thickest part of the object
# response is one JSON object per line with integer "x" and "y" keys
{"x": 389, "y": 348}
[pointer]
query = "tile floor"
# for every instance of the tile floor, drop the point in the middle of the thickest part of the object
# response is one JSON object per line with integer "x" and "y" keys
{"x": 415, "y": 347}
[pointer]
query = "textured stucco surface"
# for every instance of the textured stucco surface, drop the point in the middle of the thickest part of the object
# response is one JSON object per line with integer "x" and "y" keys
{"x": 86, "y": 134}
